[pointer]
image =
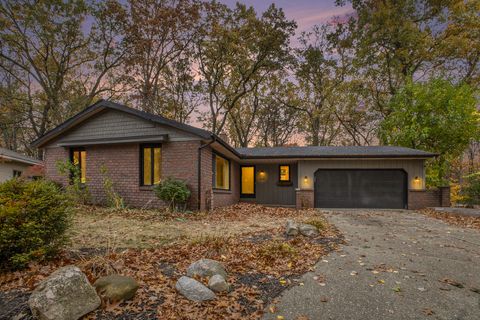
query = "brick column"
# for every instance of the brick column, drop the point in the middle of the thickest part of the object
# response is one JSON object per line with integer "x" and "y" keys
{"x": 304, "y": 199}
{"x": 445, "y": 196}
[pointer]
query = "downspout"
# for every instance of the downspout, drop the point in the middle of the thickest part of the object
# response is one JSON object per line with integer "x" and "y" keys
{"x": 199, "y": 172}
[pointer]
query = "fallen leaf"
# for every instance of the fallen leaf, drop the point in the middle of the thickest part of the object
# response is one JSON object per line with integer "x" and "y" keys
{"x": 428, "y": 311}
{"x": 324, "y": 299}
{"x": 452, "y": 282}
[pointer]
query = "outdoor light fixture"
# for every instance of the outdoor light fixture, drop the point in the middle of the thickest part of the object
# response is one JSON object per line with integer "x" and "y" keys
{"x": 305, "y": 178}
{"x": 417, "y": 183}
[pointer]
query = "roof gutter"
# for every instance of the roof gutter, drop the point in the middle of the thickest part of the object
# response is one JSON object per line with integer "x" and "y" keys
{"x": 199, "y": 170}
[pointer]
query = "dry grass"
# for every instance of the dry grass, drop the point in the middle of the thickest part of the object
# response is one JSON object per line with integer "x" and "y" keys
{"x": 96, "y": 227}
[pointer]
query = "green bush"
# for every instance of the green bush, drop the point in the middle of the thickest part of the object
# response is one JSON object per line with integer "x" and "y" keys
{"x": 471, "y": 191}
{"x": 34, "y": 217}
{"x": 174, "y": 192}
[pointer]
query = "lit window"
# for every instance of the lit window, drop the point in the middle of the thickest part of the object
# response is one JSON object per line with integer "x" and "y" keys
{"x": 79, "y": 159}
{"x": 151, "y": 159}
{"x": 284, "y": 173}
{"x": 222, "y": 173}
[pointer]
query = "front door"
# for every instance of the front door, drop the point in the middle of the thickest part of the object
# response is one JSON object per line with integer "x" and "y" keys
{"x": 247, "y": 178}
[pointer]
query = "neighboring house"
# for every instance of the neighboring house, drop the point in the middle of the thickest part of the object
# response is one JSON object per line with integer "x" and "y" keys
{"x": 14, "y": 164}
{"x": 137, "y": 149}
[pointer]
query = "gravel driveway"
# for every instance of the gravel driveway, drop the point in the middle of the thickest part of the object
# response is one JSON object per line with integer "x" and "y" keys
{"x": 396, "y": 265}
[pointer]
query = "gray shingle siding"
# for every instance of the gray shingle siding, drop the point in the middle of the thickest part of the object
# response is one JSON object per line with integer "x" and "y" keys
{"x": 116, "y": 124}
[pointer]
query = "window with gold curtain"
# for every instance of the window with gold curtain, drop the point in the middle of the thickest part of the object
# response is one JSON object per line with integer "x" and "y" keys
{"x": 222, "y": 173}
{"x": 79, "y": 159}
{"x": 151, "y": 160}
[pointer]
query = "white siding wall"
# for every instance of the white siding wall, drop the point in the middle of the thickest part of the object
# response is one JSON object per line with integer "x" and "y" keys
{"x": 413, "y": 167}
{"x": 6, "y": 169}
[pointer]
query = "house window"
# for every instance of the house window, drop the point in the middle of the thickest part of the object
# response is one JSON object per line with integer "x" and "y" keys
{"x": 151, "y": 164}
{"x": 78, "y": 157}
{"x": 221, "y": 173}
{"x": 284, "y": 173}
{"x": 16, "y": 173}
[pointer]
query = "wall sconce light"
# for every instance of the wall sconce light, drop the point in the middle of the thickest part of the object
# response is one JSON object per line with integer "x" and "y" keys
{"x": 261, "y": 173}
{"x": 305, "y": 178}
{"x": 417, "y": 183}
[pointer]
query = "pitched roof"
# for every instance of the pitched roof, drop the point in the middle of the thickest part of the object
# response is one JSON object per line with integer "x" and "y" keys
{"x": 15, "y": 156}
{"x": 245, "y": 153}
{"x": 333, "y": 152}
{"x": 104, "y": 104}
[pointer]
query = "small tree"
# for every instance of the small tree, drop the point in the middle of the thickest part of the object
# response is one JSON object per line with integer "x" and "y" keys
{"x": 471, "y": 191}
{"x": 174, "y": 192}
{"x": 114, "y": 200}
{"x": 437, "y": 116}
{"x": 76, "y": 189}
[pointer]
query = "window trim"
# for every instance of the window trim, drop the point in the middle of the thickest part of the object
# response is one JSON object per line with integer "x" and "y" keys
{"x": 214, "y": 172}
{"x": 289, "y": 173}
{"x": 79, "y": 150}
{"x": 152, "y": 174}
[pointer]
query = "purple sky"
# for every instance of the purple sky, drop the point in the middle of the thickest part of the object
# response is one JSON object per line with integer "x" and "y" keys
{"x": 306, "y": 13}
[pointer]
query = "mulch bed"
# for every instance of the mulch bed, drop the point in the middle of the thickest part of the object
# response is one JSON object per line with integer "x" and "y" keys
{"x": 454, "y": 219}
{"x": 260, "y": 266}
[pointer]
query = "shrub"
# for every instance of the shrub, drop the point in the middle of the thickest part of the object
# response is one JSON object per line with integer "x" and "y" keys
{"x": 114, "y": 200}
{"x": 471, "y": 191}
{"x": 34, "y": 216}
{"x": 317, "y": 223}
{"x": 76, "y": 189}
{"x": 174, "y": 192}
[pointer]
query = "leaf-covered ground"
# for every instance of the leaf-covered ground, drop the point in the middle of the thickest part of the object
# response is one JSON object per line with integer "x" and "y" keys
{"x": 454, "y": 219}
{"x": 261, "y": 263}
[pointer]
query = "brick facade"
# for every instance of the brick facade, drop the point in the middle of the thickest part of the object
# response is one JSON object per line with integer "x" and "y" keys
{"x": 225, "y": 198}
{"x": 122, "y": 164}
{"x": 304, "y": 199}
{"x": 420, "y": 199}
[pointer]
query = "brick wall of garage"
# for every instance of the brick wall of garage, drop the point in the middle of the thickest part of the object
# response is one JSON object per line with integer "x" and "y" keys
{"x": 420, "y": 199}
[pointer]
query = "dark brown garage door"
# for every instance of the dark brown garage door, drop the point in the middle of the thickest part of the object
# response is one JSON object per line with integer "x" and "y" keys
{"x": 355, "y": 188}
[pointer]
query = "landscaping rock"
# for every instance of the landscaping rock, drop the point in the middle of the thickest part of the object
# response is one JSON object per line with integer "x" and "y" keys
{"x": 218, "y": 284}
{"x": 206, "y": 268}
{"x": 308, "y": 230}
{"x": 116, "y": 287}
{"x": 193, "y": 290}
{"x": 291, "y": 228}
{"x": 65, "y": 295}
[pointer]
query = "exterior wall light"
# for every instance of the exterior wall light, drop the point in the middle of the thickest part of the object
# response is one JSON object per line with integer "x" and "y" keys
{"x": 417, "y": 183}
{"x": 262, "y": 176}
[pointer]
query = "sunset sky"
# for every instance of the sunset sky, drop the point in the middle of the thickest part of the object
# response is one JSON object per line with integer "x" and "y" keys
{"x": 305, "y": 12}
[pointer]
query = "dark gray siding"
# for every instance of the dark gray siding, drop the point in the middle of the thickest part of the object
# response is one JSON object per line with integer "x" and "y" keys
{"x": 268, "y": 191}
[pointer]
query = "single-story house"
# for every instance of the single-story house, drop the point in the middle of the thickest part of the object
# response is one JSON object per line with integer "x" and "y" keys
{"x": 14, "y": 164}
{"x": 137, "y": 149}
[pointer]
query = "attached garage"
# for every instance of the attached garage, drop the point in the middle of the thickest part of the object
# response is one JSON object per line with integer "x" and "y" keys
{"x": 361, "y": 188}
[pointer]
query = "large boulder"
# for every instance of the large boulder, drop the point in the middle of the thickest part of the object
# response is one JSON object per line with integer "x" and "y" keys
{"x": 193, "y": 290}
{"x": 65, "y": 295}
{"x": 116, "y": 287}
{"x": 206, "y": 268}
{"x": 308, "y": 230}
{"x": 218, "y": 284}
{"x": 291, "y": 228}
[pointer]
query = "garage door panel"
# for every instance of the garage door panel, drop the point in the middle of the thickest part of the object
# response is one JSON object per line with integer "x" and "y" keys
{"x": 360, "y": 188}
